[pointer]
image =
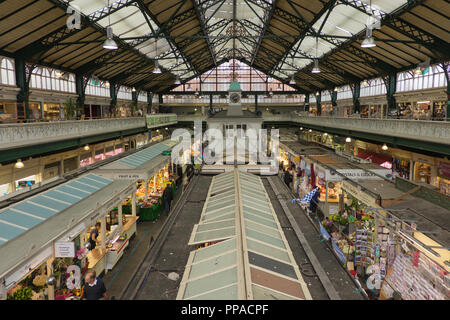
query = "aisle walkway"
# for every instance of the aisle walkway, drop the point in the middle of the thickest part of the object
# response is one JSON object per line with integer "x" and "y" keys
{"x": 339, "y": 278}
{"x": 147, "y": 232}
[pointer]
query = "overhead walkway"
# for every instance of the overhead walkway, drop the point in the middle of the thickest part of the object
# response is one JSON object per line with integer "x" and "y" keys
{"x": 425, "y": 136}
{"x": 23, "y": 140}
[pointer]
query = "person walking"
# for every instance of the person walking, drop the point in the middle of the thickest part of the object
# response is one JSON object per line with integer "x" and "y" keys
{"x": 94, "y": 288}
{"x": 167, "y": 196}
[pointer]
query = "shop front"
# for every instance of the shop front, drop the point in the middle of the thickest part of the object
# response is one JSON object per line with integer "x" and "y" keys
{"x": 444, "y": 178}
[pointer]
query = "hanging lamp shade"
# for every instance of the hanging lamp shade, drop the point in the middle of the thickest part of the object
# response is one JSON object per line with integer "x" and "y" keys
{"x": 292, "y": 81}
{"x": 109, "y": 43}
{"x": 177, "y": 81}
{"x": 369, "y": 41}
{"x": 156, "y": 69}
{"x": 316, "y": 68}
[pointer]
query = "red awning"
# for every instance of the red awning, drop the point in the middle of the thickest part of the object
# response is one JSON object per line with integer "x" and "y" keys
{"x": 376, "y": 158}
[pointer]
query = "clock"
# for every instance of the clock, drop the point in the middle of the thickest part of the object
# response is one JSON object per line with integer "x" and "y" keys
{"x": 235, "y": 98}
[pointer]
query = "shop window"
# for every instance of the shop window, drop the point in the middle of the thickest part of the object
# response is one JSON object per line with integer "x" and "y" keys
{"x": 7, "y": 73}
{"x": 97, "y": 88}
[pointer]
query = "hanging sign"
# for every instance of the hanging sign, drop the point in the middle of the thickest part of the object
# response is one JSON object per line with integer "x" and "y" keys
{"x": 64, "y": 249}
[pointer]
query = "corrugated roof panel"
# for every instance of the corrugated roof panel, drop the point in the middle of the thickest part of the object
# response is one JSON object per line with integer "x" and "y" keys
{"x": 227, "y": 293}
{"x": 67, "y": 189}
{"x": 262, "y": 293}
{"x": 99, "y": 179}
{"x": 19, "y": 219}
{"x": 9, "y": 232}
{"x": 220, "y": 205}
{"x": 213, "y": 281}
{"x": 216, "y": 249}
{"x": 216, "y": 263}
{"x": 219, "y": 216}
{"x": 260, "y": 220}
{"x": 215, "y": 225}
{"x": 264, "y": 238}
{"x": 84, "y": 187}
{"x": 272, "y": 265}
{"x": 64, "y": 197}
{"x": 214, "y": 235}
{"x": 92, "y": 182}
{"x": 35, "y": 210}
{"x": 49, "y": 203}
{"x": 261, "y": 248}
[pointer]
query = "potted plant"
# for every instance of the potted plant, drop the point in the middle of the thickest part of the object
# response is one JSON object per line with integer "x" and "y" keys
{"x": 70, "y": 108}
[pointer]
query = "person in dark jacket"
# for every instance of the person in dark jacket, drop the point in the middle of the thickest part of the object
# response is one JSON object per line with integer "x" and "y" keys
{"x": 314, "y": 201}
{"x": 287, "y": 178}
{"x": 94, "y": 288}
{"x": 167, "y": 197}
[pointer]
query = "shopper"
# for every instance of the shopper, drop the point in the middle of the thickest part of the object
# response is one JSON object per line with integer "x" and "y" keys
{"x": 287, "y": 178}
{"x": 94, "y": 288}
{"x": 93, "y": 237}
{"x": 167, "y": 196}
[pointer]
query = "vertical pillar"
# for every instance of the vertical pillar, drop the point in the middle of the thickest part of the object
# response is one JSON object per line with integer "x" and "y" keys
{"x": 256, "y": 102}
{"x": 149, "y": 102}
{"x": 391, "y": 88}
{"x": 356, "y": 105}
{"x": 103, "y": 231}
{"x": 334, "y": 102}
{"x": 113, "y": 89}
{"x": 49, "y": 262}
{"x": 160, "y": 100}
{"x": 319, "y": 106}
{"x": 134, "y": 98}
{"x": 306, "y": 101}
{"x": 444, "y": 66}
{"x": 80, "y": 87}
{"x": 62, "y": 166}
{"x": 120, "y": 213}
{"x": 22, "y": 81}
{"x": 146, "y": 189}
{"x": 210, "y": 102}
{"x": 133, "y": 203}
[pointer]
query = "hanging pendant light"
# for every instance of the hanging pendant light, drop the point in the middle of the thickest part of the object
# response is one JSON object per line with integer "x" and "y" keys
{"x": 279, "y": 87}
{"x": 109, "y": 43}
{"x": 348, "y": 139}
{"x": 134, "y": 89}
{"x": 292, "y": 81}
{"x": 384, "y": 147}
{"x": 315, "y": 69}
{"x": 418, "y": 71}
{"x": 369, "y": 41}
{"x": 156, "y": 69}
{"x": 19, "y": 164}
{"x": 177, "y": 81}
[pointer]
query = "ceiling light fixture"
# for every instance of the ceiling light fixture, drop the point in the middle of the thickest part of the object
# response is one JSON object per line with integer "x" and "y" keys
{"x": 369, "y": 41}
{"x": 19, "y": 164}
{"x": 156, "y": 69}
{"x": 177, "y": 80}
{"x": 348, "y": 139}
{"x": 384, "y": 147}
{"x": 134, "y": 89}
{"x": 279, "y": 87}
{"x": 86, "y": 147}
{"x": 418, "y": 71}
{"x": 316, "y": 68}
{"x": 109, "y": 43}
{"x": 365, "y": 83}
{"x": 336, "y": 89}
{"x": 292, "y": 81}
{"x": 107, "y": 84}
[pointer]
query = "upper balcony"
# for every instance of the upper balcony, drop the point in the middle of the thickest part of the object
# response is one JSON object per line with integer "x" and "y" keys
{"x": 26, "y": 134}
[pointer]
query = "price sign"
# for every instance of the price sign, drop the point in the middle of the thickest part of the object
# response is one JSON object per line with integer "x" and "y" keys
{"x": 64, "y": 249}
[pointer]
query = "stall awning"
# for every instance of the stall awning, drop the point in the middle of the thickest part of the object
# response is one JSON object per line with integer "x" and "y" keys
{"x": 19, "y": 218}
{"x": 376, "y": 158}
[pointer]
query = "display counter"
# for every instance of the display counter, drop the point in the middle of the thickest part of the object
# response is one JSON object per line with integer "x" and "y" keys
{"x": 97, "y": 260}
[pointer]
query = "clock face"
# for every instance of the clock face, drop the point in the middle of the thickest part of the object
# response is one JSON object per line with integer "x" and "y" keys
{"x": 235, "y": 98}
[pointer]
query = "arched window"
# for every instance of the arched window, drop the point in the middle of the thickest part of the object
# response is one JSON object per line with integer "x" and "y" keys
{"x": 432, "y": 77}
{"x": 54, "y": 80}
{"x": 7, "y": 74}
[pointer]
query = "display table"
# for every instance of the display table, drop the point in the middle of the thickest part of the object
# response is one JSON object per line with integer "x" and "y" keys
{"x": 150, "y": 213}
{"x": 116, "y": 251}
{"x": 97, "y": 260}
{"x": 129, "y": 228}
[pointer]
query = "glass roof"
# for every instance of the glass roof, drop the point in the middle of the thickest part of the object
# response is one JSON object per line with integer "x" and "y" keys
{"x": 265, "y": 249}
{"x": 342, "y": 21}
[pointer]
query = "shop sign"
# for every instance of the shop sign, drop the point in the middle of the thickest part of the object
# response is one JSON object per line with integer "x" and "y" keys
{"x": 444, "y": 170}
{"x": 356, "y": 174}
{"x": 64, "y": 249}
{"x": 125, "y": 176}
{"x": 358, "y": 193}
